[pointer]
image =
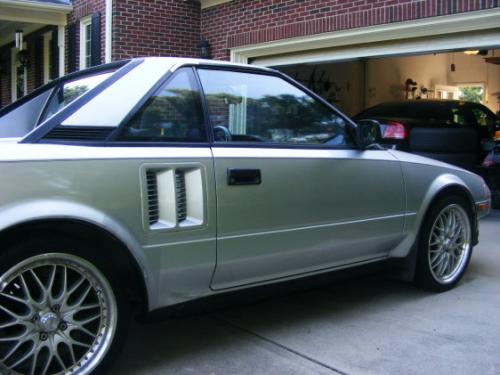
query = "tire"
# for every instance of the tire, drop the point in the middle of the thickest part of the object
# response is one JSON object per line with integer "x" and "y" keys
{"x": 61, "y": 310}
{"x": 445, "y": 244}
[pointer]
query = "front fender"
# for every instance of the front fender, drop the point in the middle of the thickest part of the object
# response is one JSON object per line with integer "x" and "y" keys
{"x": 421, "y": 191}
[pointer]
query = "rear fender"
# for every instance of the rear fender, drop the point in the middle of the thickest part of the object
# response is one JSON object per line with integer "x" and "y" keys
{"x": 40, "y": 210}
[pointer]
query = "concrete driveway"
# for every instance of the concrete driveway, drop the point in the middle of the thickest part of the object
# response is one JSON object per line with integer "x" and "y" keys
{"x": 372, "y": 325}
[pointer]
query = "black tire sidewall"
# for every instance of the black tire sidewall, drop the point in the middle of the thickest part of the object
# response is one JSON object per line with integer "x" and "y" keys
{"x": 29, "y": 248}
{"x": 424, "y": 277}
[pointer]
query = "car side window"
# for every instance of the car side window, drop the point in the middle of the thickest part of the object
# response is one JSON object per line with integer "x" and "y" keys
{"x": 459, "y": 117}
{"x": 69, "y": 91}
{"x": 172, "y": 113}
{"x": 483, "y": 118}
{"x": 251, "y": 107}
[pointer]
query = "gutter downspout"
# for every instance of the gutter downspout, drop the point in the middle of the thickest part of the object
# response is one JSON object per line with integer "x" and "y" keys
{"x": 108, "y": 34}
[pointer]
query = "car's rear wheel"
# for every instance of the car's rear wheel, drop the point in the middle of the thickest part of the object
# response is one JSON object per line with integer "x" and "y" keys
{"x": 445, "y": 244}
{"x": 60, "y": 310}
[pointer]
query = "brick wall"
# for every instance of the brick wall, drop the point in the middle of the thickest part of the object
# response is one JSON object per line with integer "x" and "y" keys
{"x": 81, "y": 9}
{"x": 243, "y": 22}
{"x": 155, "y": 28}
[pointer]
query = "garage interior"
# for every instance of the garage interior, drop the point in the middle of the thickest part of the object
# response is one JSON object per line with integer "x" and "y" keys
{"x": 357, "y": 84}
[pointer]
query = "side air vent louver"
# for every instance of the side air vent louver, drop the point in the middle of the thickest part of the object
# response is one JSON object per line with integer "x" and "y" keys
{"x": 180, "y": 195}
{"x": 173, "y": 197}
{"x": 152, "y": 191}
{"x": 79, "y": 133}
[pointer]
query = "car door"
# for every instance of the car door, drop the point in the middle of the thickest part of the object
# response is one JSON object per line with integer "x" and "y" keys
{"x": 294, "y": 194}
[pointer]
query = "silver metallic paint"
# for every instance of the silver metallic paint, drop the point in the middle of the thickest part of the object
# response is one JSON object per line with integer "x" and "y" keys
{"x": 383, "y": 195}
{"x": 290, "y": 222}
{"x": 108, "y": 194}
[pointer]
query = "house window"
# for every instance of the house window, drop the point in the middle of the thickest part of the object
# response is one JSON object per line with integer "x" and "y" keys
{"x": 85, "y": 42}
{"x": 472, "y": 92}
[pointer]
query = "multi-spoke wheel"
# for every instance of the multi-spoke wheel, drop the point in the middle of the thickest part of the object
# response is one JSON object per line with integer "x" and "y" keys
{"x": 445, "y": 244}
{"x": 58, "y": 315}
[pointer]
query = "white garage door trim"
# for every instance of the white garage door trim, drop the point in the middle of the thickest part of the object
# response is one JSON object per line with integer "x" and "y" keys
{"x": 467, "y": 30}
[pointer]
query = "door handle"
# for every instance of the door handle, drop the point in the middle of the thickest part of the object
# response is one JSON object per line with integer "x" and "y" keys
{"x": 244, "y": 177}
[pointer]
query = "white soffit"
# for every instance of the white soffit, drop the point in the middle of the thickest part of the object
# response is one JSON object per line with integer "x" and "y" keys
{"x": 34, "y": 12}
{"x": 212, "y": 3}
{"x": 111, "y": 106}
{"x": 473, "y": 29}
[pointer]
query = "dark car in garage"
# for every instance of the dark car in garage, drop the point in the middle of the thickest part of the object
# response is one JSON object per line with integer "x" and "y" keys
{"x": 453, "y": 131}
{"x": 491, "y": 171}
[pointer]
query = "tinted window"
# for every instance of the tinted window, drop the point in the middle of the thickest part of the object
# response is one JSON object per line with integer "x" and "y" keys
{"x": 21, "y": 120}
{"x": 173, "y": 113}
{"x": 484, "y": 117}
{"x": 247, "y": 107}
{"x": 69, "y": 91}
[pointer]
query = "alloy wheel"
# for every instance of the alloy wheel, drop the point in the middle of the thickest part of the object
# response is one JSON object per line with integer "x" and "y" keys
{"x": 449, "y": 243}
{"x": 58, "y": 315}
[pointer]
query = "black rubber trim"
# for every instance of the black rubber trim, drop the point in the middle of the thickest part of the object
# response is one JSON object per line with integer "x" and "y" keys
{"x": 93, "y": 143}
{"x": 204, "y": 107}
{"x": 54, "y": 90}
{"x": 95, "y": 133}
{"x": 38, "y": 133}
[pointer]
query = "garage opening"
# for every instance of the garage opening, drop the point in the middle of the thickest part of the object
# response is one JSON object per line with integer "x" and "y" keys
{"x": 354, "y": 85}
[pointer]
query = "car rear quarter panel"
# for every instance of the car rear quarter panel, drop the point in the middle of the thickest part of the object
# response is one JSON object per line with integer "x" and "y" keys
{"x": 105, "y": 190}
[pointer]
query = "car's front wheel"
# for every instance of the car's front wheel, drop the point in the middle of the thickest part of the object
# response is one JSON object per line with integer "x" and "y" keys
{"x": 60, "y": 312}
{"x": 445, "y": 244}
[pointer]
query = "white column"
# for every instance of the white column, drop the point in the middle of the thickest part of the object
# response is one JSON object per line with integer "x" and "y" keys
{"x": 108, "y": 35}
{"x": 61, "y": 43}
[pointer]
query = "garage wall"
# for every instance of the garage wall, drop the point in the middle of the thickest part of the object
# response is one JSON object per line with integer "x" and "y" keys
{"x": 386, "y": 77}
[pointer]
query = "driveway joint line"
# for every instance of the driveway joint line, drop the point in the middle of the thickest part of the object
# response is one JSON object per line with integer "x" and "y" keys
{"x": 281, "y": 346}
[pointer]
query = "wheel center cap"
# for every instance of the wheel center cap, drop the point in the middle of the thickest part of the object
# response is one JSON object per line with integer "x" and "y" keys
{"x": 49, "y": 322}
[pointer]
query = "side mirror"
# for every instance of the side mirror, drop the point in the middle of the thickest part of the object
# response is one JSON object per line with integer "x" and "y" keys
{"x": 369, "y": 134}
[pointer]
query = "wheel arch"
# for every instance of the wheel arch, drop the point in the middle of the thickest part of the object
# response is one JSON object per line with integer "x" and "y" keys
{"x": 442, "y": 186}
{"x": 130, "y": 268}
{"x": 452, "y": 185}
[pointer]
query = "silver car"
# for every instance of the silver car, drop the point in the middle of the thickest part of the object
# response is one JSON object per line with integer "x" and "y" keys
{"x": 144, "y": 184}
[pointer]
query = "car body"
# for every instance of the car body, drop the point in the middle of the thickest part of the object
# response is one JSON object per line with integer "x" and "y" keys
{"x": 452, "y": 131}
{"x": 170, "y": 180}
{"x": 491, "y": 171}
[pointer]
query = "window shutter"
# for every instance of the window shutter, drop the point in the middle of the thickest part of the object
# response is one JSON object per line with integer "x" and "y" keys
{"x": 39, "y": 61}
{"x": 71, "y": 47}
{"x": 54, "y": 57}
{"x": 95, "y": 48}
